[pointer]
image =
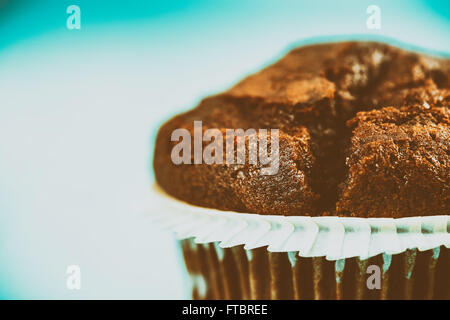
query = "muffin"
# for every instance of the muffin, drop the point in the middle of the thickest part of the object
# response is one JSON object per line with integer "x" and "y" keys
{"x": 361, "y": 178}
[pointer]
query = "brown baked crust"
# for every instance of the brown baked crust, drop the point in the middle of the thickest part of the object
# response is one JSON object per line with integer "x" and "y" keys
{"x": 237, "y": 187}
{"x": 310, "y": 95}
{"x": 399, "y": 163}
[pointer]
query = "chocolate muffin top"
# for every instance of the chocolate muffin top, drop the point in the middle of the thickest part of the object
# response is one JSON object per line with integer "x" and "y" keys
{"x": 363, "y": 130}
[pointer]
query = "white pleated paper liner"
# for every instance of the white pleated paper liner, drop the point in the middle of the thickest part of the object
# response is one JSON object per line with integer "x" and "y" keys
{"x": 331, "y": 237}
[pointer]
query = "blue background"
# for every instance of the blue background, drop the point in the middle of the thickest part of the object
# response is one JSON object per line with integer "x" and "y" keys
{"x": 79, "y": 110}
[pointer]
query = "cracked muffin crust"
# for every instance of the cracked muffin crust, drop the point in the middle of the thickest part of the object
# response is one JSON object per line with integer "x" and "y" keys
{"x": 398, "y": 163}
{"x": 364, "y": 131}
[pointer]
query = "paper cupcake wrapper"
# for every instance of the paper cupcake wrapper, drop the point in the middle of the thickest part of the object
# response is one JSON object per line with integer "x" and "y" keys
{"x": 236, "y": 273}
{"x": 231, "y": 255}
{"x": 332, "y": 237}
